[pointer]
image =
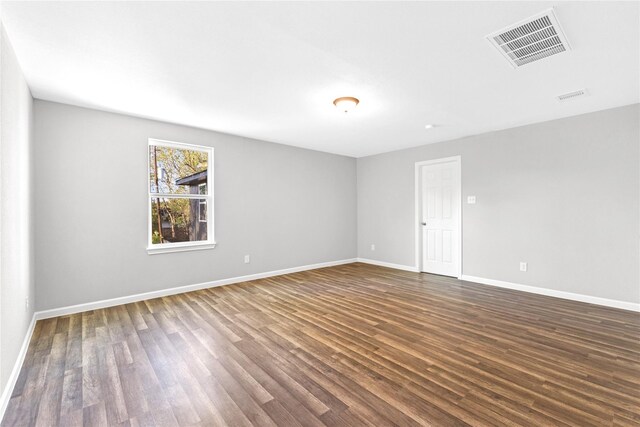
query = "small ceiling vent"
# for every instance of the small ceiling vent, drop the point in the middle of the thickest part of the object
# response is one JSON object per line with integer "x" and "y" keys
{"x": 535, "y": 38}
{"x": 572, "y": 95}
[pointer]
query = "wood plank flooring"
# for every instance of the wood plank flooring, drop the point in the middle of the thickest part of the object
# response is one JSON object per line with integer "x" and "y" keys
{"x": 341, "y": 346}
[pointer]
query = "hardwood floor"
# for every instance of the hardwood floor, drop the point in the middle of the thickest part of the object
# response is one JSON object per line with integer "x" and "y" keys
{"x": 346, "y": 346}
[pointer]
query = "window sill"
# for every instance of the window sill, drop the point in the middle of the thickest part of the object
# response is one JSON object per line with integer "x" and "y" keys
{"x": 154, "y": 250}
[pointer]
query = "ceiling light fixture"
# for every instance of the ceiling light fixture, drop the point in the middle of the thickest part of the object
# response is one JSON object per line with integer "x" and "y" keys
{"x": 429, "y": 126}
{"x": 346, "y": 103}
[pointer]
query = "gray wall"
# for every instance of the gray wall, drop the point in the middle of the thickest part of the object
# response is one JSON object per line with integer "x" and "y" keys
{"x": 16, "y": 211}
{"x": 562, "y": 195}
{"x": 284, "y": 206}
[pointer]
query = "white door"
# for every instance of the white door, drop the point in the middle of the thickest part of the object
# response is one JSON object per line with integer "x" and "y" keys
{"x": 440, "y": 216}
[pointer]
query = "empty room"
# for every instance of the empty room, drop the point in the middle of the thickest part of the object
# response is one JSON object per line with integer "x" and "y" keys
{"x": 319, "y": 213}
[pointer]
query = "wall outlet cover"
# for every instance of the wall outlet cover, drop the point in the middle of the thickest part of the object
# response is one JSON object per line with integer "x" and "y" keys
{"x": 471, "y": 200}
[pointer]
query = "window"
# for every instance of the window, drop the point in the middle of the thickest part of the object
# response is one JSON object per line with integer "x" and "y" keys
{"x": 180, "y": 192}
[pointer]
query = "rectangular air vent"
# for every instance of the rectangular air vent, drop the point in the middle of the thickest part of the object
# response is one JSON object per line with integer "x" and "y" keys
{"x": 572, "y": 95}
{"x": 532, "y": 39}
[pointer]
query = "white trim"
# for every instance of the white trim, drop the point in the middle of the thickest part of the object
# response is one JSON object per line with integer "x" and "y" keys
{"x": 62, "y": 311}
{"x": 184, "y": 145}
{"x": 418, "y": 233}
{"x": 180, "y": 247}
{"x": 210, "y": 243}
{"x": 388, "y": 264}
{"x": 624, "y": 305}
{"x": 17, "y": 367}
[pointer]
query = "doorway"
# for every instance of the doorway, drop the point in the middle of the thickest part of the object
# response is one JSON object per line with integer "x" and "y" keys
{"x": 438, "y": 216}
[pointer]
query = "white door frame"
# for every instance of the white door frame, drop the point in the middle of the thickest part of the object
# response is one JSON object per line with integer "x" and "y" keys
{"x": 418, "y": 199}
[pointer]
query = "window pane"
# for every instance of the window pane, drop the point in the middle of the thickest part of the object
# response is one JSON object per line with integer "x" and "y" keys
{"x": 177, "y": 171}
{"x": 202, "y": 188}
{"x": 178, "y": 220}
{"x": 202, "y": 211}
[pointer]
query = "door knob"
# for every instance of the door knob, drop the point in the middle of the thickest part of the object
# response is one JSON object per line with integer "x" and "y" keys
{"x": 424, "y": 223}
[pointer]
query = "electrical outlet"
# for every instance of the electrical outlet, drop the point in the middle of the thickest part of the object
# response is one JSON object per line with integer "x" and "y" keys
{"x": 247, "y": 259}
{"x": 373, "y": 247}
{"x": 523, "y": 266}
{"x": 471, "y": 200}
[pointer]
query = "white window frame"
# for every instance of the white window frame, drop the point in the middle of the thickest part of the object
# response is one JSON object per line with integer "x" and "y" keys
{"x": 181, "y": 246}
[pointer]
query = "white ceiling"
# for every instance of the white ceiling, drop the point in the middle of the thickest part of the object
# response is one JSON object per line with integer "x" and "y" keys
{"x": 271, "y": 70}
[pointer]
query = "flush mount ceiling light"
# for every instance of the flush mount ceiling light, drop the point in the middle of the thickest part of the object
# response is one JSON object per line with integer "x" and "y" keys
{"x": 429, "y": 126}
{"x": 346, "y": 103}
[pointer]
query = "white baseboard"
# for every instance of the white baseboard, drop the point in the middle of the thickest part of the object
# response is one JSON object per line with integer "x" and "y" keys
{"x": 388, "y": 264}
{"x": 62, "y": 311}
{"x": 15, "y": 372}
{"x": 624, "y": 305}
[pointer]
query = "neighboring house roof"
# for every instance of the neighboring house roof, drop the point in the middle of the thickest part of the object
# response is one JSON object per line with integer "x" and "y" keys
{"x": 195, "y": 179}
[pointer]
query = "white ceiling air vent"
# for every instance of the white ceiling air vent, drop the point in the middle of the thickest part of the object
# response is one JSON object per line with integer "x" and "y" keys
{"x": 572, "y": 95}
{"x": 530, "y": 40}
